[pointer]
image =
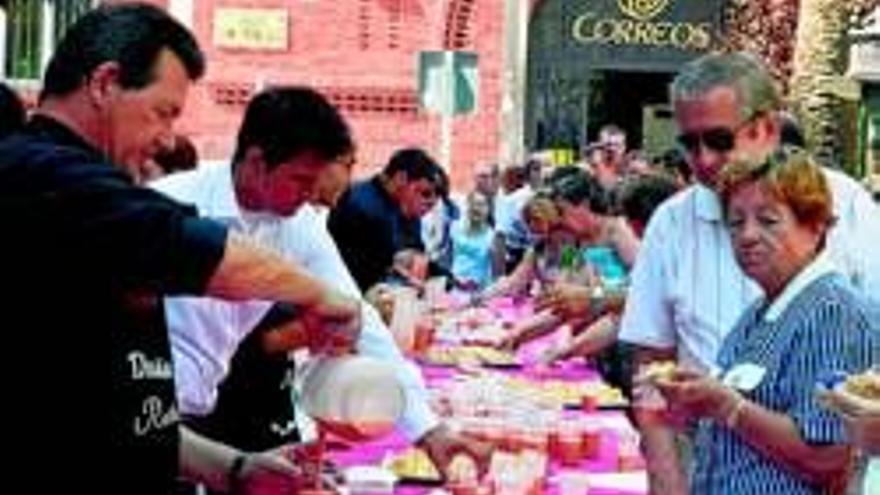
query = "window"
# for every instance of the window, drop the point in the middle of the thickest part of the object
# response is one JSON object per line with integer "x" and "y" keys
{"x": 33, "y": 28}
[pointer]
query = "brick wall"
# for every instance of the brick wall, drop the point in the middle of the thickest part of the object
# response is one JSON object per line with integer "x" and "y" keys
{"x": 363, "y": 55}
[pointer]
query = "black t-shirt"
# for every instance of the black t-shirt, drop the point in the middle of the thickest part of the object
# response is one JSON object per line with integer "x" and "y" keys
{"x": 369, "y": 229}
{"x": 84, "y": 260}
{"x": 254, "y": 409}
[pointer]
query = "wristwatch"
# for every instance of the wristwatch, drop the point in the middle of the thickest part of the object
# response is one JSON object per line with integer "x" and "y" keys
{"x": 233, "y": 476}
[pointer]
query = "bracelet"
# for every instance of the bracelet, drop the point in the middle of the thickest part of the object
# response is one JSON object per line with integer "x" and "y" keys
{"x": 597, "y": 301}
{"x": 735, "y": 412}
{"x": 233, "y": 476}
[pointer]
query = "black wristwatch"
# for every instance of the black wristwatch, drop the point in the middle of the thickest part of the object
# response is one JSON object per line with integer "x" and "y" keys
{"x": 233, "y": 476}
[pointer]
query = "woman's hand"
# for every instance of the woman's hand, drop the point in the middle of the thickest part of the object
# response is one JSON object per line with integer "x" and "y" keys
{"x": 566, "y": 300}
{"x": 849, "y": 404}
{"x": 698, "y": 395}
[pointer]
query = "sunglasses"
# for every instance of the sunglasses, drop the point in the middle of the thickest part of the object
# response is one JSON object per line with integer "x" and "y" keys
{"x": 720, "y": 140}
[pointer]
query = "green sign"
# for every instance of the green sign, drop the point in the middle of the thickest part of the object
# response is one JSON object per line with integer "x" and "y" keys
{"x": 448, "y": 82}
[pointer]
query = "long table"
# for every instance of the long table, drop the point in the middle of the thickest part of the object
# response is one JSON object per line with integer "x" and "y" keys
{"x": 606, "y": 478}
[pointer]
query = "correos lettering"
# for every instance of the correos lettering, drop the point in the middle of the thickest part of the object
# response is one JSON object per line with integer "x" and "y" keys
{"x": 588, "y": 28}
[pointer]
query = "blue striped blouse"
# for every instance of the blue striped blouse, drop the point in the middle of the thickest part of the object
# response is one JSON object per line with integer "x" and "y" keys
{"x": 827, "y": 327}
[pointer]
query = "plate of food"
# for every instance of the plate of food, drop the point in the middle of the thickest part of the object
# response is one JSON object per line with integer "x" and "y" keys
{"x": 864, "y": 385}
{"x": 856, "y": 398}
{"x": 495, "y": 358}
{"x": 414, "y": 467}
{"x": 572, "y": 394}
{"x": 660, "y": 371}
{"x": 470, "y": 356}
{"x": 589, "y": 395}
{"x": 611, "y": 398}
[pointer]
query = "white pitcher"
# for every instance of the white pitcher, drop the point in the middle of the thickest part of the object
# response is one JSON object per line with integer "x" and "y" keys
{"x": 356, "y": 397}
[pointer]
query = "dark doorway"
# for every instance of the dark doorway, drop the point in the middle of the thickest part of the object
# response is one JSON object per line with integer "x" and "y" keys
{"x": 637, "y": 102}
{"x": 568, "y": 108}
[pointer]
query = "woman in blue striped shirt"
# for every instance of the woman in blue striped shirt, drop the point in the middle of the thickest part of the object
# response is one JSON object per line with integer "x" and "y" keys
{"x": 760, "y": 428}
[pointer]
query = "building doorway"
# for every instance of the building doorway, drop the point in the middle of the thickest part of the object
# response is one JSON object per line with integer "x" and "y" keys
{"x": 638, "y": 103}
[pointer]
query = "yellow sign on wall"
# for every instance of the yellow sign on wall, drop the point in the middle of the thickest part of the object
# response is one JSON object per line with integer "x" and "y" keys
{"x": 256, "y": 29}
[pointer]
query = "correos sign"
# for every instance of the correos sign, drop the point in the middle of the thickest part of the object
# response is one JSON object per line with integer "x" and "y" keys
{"x": 642, "y": 23}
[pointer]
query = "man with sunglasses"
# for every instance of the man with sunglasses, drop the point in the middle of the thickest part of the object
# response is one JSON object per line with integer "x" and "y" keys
{"x": 381, "y": 216}
{"x": 687, "y": 290}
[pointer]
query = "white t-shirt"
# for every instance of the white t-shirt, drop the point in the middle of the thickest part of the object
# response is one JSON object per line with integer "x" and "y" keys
{"x": 509, "y": 217}
{"x": 205, "y": 332}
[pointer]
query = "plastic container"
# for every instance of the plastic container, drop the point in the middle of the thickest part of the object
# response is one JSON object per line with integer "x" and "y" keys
{"x": 629, "y": 457}
{"x": 573, "y": 483}
{"x": 405, "y": 316}
{"x": 354, "y": 397}
{"x": 566, "y": 443}
{"x": 435, "y": 289}
{"x": 364, "y": 480}
{"x": 591, "y": 442}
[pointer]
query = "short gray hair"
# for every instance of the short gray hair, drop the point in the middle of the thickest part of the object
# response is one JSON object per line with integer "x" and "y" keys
{"x": 741, "y": 71}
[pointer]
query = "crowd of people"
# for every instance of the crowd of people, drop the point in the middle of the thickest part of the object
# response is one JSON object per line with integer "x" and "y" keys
{"x": 183, "y": 298}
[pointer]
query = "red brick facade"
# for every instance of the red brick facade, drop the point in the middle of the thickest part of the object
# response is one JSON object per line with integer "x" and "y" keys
{"x": 363, "y": 54}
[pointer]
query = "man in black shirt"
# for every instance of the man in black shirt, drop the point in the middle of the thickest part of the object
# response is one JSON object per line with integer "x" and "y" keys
{"x": 87, "y": 256}
{"x": 12, "y": 112}
{"x": 379, "y": 217}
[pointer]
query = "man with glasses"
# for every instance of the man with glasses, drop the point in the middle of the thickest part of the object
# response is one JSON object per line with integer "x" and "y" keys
{"x": 687, "y": 290}
{"x": 377, "y": 218}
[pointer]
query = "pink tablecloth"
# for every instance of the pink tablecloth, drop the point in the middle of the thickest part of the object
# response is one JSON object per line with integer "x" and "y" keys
{"x": 373, "y": 453}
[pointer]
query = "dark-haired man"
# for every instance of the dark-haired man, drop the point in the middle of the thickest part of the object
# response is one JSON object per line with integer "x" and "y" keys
{"x": 12, "y": 112}
{"x": 87, "y": 256}
{"x": 231, "y": 361}
{"x": 377, "y": 218}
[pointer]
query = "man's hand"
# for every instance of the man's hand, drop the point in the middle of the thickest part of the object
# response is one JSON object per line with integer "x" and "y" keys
{"x": 265, "y": 473}
{"x": 333, "y": 324}
{"x": 290, "y": 468}
{"x": 554, "y": 354}
{"x": 289, "y": 337}
{"x": 381, "y": 296}
{"x": 510, "y": 342}
{"x": 666, "y": 475}
{"x": 443, "y": 445}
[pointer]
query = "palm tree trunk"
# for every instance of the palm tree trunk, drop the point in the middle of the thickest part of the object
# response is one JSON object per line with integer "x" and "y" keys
{"x": 819, "y": 61}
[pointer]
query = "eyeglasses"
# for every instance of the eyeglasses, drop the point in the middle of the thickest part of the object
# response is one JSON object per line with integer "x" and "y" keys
{"x": 718, "y": 139}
